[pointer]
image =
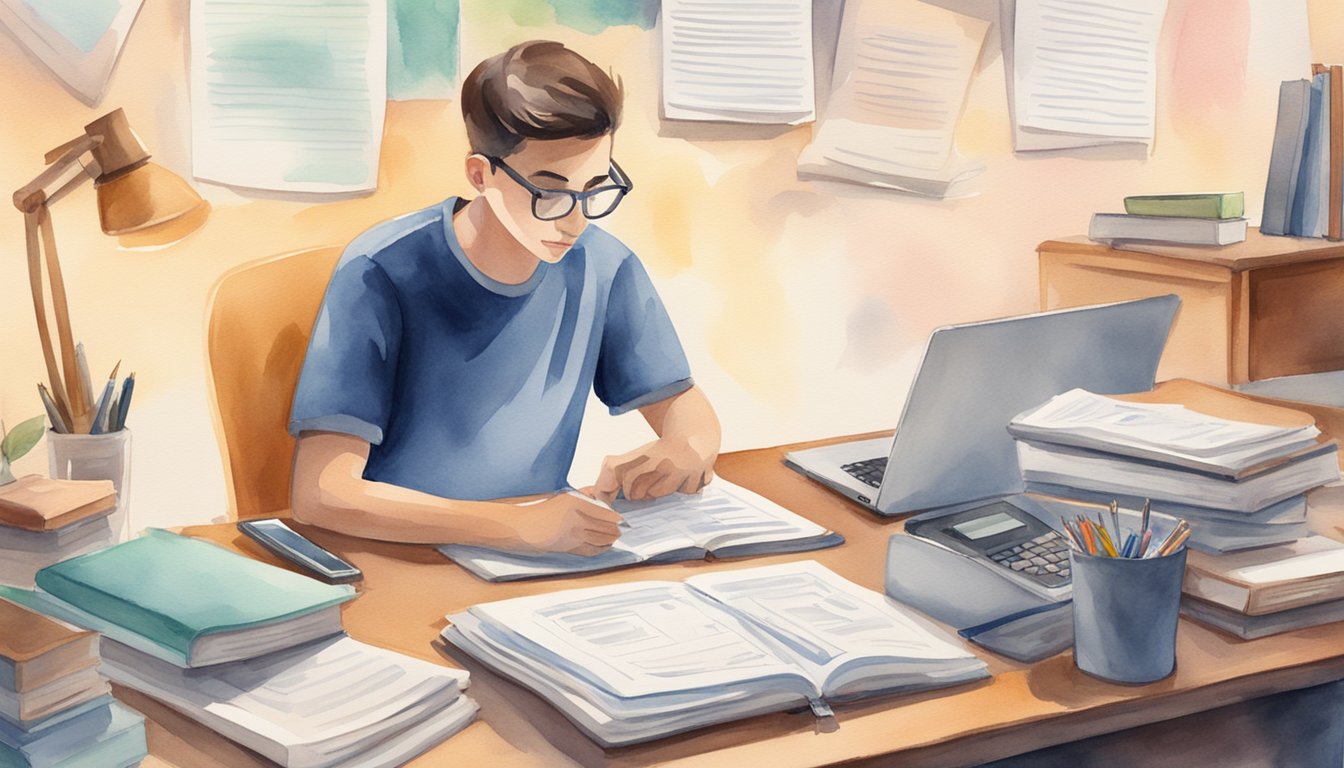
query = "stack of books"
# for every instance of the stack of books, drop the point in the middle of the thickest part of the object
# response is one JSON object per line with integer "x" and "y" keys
{"x": 638, "y": 661}
{"x": 252, "y": 651}
{"x": 1304, "y": 192}
{"x": 1214, "y": 218}
{"x": 55, "y": 708}
{"x": 44, "y": 521}
{"x": 1267, "y": 591}
{"x": 1239, "y": 485}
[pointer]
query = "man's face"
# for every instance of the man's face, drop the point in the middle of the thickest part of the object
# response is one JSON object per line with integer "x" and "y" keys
{"x": 573, "y": 164}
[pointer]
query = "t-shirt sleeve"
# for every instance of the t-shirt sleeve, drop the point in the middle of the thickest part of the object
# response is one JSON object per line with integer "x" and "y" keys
{"x": 349, "y": 374}
{"x": 641, "y": 360}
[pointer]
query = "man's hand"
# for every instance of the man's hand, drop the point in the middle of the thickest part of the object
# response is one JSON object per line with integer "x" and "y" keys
{"x": 655, "y": 470}
{"x": 566, "y": 522}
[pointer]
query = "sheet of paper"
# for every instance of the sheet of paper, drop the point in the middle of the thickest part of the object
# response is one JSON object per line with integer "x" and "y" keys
{"x": 78, "y": 40}
{"x": 747, "y": 61}
{"x": 1086, "y": 71}
{"x": 901, "y": 75}
{"x": 288, "y": 95}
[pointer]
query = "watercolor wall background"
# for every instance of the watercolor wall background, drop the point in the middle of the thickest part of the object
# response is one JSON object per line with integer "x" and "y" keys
{"x": 803, "y": 306}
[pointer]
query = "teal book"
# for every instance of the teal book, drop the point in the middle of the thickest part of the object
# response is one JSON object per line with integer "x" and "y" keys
{"x": 111, "y": 737}
{"x": 188, "y": 601}
{"x": 1213, "y": 205}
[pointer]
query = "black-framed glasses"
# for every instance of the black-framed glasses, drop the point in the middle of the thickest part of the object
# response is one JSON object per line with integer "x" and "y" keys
{"x": 552, "y": 204}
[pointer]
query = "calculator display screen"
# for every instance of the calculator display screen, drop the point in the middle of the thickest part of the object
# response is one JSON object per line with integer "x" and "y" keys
{"x": 989, "y": 525}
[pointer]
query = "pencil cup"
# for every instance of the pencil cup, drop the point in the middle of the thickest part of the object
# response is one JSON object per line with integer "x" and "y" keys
{"x": 96, "y": 457}
{"x": 1124, "y": 615}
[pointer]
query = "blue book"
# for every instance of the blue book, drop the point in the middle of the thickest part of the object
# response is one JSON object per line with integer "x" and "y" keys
{"x": 1305, "y": 217}
{"x": 1285, "y": 159}
{"x": 119, "y": 741}
{"x": 187, "y": 601}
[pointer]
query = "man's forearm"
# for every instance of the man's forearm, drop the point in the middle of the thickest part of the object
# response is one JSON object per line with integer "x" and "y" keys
{"x": 688, "y": 417}
{"x": 329, "y": 491}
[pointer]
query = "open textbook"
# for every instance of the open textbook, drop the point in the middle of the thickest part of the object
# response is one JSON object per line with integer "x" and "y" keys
{"x": 723, "y": 519}
{"x": 639, "y": 661}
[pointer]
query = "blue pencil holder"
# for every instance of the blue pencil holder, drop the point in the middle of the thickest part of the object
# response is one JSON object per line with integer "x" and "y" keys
{"x": 1124, "y": 616}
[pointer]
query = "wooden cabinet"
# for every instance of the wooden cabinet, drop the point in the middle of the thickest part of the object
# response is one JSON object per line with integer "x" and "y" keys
{"x": 1268, "y": 307}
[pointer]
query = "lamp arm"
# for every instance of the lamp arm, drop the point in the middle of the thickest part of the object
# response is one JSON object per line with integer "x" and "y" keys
{"x": 33, "y": 194}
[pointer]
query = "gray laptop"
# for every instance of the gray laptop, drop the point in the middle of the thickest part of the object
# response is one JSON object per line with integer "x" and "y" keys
{"x": 952, "y": 444}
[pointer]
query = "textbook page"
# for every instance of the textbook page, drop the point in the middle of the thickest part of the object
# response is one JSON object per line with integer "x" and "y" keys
{"x": 678, "y": 526}
{"x": 643, "y": 639}
{"x": 1083, "y": 74}
{"x": 288, "y": 95}
{"x": 850, "y": 639}
{"x": 745, "y": 61}
{"x": 902, "y": 71}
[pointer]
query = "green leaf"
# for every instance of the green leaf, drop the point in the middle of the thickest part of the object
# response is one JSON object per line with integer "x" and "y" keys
{"x": 22, "y": 438}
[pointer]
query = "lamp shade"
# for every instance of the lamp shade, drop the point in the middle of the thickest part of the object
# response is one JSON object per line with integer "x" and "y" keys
{"x": 144, "y": 197}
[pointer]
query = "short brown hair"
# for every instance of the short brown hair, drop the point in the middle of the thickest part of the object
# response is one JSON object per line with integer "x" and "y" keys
{"x": 537, "y": 90}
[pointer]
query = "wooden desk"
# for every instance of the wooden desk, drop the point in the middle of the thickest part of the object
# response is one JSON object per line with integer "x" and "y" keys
{"x": 408, "y": 589}
{"x": 1271, "y": 306}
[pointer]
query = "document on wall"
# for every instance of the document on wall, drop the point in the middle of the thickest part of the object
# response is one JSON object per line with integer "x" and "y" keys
{"x": 78, "y": 40}
{"x": 901, "y": 74}
{"x": 288, "y": 95}
{"x": 734, "y": 61}
{"x": 1083, "y": 74}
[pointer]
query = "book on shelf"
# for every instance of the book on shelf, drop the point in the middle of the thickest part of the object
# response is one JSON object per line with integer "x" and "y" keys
{"x": 1335, "y": 198}
{"x": 187, "y": 601}
{"x": 1286, "y": 154}
{"x": 37, "y": 503}
{"x": 1166, "y": 433}
{"x": 1198, "y": 205}
{"x": 1249, "y": 627}
{"x": 1107, "y": 227}
{"x": 36, "y": 650}
{"x": 1271, "y": 579}
{"x": 107, "y": 736}
{"x": 643, "y": 660}
{"x": 325, "y": 703}
{"x": 723, "y": 519}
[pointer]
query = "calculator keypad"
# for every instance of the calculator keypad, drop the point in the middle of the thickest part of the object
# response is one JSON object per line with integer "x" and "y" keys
{"x": 1044, "y": 558}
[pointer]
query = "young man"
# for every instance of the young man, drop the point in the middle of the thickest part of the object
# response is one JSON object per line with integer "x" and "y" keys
{"x": 450, "y": 363}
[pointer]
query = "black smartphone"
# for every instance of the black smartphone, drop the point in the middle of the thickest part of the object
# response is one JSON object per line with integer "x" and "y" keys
{"x": 284, "y": 541}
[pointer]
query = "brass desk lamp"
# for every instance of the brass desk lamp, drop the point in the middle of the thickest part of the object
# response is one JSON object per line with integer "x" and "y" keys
{"x": 134, "y": 195}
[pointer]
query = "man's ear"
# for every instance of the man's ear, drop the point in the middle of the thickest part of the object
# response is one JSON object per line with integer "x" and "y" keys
{"x": 478, "y": 168}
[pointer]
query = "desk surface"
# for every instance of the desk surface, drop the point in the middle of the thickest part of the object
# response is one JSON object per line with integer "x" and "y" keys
{"x": 1255, "y": 252}
{"x": 408, "y": 589}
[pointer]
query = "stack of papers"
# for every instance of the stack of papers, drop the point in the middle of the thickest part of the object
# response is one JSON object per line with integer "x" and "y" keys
{"x": 252, "y": 651}
{"x": 633, "y": 662}
{"x": 1240, "y": 485}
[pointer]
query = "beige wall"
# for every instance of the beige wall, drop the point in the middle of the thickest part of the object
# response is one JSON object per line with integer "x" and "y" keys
{"x": 796, "y": 301}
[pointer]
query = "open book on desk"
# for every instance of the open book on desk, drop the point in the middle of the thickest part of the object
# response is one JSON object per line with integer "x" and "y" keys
{"x": 724, "y": 520}
{"x": 639, "y": 661}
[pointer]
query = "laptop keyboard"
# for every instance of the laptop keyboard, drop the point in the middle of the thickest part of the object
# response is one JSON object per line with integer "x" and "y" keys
{"x": 869, "y": 471}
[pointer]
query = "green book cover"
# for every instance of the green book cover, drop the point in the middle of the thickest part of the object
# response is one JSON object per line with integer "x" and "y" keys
{"x": 173, "y": 589}
{"x": 1214, "y": 205}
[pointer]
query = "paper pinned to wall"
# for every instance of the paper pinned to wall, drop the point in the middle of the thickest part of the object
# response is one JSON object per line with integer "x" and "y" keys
{"x": 746, "y": 61}
{"x": 901, "y": 74}
{"x": 288, "y": 95}
{"x": 78, "y": 40}
{"x": 1084, "y": 73}
{"x": 423, "y": 46}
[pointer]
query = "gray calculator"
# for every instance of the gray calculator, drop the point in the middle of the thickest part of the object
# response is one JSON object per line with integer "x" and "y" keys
{"x": 1004, "y": 535}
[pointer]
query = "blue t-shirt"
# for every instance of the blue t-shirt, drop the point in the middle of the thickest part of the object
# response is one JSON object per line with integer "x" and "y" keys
{"x": 469, "y": 388}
